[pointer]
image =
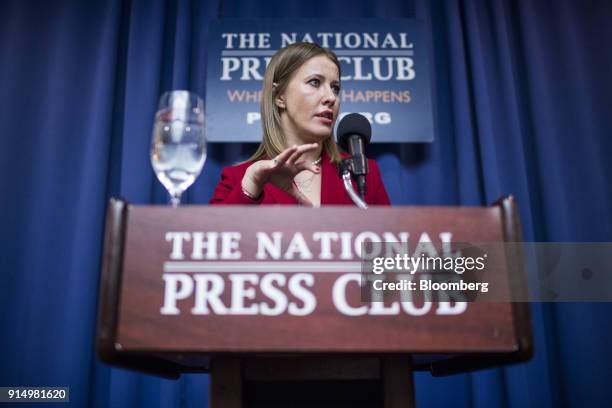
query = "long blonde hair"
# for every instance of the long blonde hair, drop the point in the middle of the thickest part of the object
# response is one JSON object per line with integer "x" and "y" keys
{"x": 280, "y": 70}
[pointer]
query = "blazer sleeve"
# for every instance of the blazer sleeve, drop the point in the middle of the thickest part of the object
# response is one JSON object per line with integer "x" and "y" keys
{"x": 379, "y": 193}
{"x": 229, "y": 190}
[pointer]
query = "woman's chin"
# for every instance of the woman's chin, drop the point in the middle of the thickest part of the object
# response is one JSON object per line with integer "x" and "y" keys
{"x": 318, "y": 136}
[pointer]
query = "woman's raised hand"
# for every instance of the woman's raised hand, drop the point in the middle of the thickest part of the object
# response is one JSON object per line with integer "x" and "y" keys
{"x": 280, "y": 171}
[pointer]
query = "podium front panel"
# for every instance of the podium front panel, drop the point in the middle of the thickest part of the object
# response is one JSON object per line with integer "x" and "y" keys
{"x": 287, "y": 280}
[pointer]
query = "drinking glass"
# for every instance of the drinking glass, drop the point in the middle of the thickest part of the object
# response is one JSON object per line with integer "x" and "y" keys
{"x": 178, "y": 147}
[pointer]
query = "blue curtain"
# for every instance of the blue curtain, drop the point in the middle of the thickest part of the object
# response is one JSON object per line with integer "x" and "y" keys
{"x": 522, "y": 93}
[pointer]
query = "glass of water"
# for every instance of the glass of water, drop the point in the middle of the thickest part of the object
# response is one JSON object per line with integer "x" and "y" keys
{"x": 178, "y": 148}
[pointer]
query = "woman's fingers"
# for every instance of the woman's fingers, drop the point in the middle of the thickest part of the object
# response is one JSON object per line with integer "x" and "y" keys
{"x": 299, "y": 151}
{"x": 281, "y": 170}
{"x": 284, "y": 156}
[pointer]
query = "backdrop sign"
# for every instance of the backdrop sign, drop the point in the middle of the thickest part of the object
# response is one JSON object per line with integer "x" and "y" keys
{"x": 385, "y": 73}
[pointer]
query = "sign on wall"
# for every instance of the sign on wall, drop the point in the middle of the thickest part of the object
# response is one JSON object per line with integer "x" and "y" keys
{"x": 385, "y": 73}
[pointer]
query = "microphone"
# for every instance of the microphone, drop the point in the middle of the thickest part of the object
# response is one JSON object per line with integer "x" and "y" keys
{"x": 354, "y": 132}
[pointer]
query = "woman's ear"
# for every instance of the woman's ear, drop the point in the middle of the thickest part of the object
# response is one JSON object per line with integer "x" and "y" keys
{"x": 279, "y": 100}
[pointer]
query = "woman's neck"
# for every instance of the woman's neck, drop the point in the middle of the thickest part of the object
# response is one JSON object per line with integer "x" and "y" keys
{"x": 310, "y": 156}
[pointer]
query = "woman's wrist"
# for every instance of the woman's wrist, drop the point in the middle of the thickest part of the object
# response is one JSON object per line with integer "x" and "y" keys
{"x": 250, "y": 188}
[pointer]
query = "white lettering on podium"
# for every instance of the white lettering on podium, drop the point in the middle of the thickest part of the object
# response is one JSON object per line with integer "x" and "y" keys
{"x": 201, "y": 241}
{"x": 209, "y": 288}
{"x": 298, "y": 246}
{"x": 363, "y": 237}
{"x": 378, "y": 305}
{"x": 226, "y": 245}
{"x": 326, "y": 238}
{"x": 345, "y": 240}
{"x": 177, "y": 286}
{"x": 243, "y": 288}
{"x": 278, "y": 298}
{"x": 177, "y": 243}
{"x": 339, "y": 295}
{"x": 230, "y": 244}
{"x": 269, "y": 247}
{"x": 308, "y": 299}
{"x": 240, "y": 293}
{"x": 258, "y": 291}
{"x": 408, "y": 305}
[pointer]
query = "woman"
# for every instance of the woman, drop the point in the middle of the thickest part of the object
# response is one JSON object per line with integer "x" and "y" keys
{"x": 296, "y": 163}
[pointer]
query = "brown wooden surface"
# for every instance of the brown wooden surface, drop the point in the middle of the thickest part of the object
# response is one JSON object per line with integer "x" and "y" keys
{"x": 137, "y": 334}
{"x": 453, "y": 364}
{"x": 398, "y": 382}
{"x": 226, "y": 387}
{"x": 392, "y": 376}
{"x": 483, "y": 327}
{"x": 311, "y": 368}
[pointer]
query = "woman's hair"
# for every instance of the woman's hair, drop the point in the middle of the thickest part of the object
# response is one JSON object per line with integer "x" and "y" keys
{"x": 283, "y": 65}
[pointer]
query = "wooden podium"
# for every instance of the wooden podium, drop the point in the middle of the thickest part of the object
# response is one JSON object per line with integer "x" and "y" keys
{"x": 268, "y": 300}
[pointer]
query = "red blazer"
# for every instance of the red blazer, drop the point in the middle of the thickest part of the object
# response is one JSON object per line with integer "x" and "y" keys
{"x": 229, "y": 189}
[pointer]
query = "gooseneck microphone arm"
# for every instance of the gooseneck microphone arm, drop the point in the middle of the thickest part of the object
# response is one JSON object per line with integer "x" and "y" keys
{"x": 345, "y": 172}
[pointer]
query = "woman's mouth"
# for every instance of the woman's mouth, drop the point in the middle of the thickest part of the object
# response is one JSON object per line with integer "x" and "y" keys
{"x": 327, "y": 117}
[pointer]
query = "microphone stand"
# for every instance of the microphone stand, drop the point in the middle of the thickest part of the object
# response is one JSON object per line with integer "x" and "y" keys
{"x": 346, "y": 172}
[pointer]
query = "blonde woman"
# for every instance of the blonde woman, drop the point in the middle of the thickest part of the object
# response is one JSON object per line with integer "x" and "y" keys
{"x": 296, "y": 162}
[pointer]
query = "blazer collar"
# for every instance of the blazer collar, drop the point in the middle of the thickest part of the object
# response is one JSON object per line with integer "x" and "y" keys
{"x": 332, "y": 190}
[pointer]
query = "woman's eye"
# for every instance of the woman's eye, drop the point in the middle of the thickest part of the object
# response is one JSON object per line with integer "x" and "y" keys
{"x": 314, "y": 82}
{"x": 336, "y": 89}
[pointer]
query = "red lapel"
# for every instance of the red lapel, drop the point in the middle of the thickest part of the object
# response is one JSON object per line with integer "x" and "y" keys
{"x": 332, "y": 189}
{"x": 275, "y": 195}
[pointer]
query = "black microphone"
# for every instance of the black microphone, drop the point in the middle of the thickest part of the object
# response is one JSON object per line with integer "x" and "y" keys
{"x": 354, "y": 132}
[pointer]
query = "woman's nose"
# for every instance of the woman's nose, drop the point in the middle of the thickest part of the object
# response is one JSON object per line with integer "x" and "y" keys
{"x": 330, "y": 96}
